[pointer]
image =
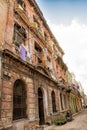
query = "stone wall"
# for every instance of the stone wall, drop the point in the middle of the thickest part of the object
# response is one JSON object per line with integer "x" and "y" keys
{"x": 3, "y": 20}
{"x": 12, "y": 70}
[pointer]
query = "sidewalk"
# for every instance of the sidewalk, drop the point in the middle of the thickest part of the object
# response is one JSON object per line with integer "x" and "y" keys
{"x": 49, "y": 127}
{"x": 78, "y": 112}
{"x": 54, "y": 127}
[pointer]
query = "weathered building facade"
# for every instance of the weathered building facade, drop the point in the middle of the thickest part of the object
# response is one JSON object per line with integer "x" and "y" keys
{"x": 33, "y": 81}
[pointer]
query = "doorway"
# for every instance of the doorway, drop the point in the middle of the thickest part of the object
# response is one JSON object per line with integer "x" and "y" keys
{"x": 40, "y": 107}
{"x": 53, "y": 101}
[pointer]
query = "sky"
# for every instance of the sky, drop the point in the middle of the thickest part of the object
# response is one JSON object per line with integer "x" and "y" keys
{"x": 68, "y": 22}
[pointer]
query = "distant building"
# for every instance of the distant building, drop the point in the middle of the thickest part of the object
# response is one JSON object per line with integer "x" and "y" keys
{"x": 85, "y": 98}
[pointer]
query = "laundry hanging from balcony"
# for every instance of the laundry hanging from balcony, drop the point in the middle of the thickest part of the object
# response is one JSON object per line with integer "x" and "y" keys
{"x": 24, "y": 52}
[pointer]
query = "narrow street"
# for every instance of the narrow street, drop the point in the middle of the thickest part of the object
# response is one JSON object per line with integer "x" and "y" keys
{"x": 79, "y": 123}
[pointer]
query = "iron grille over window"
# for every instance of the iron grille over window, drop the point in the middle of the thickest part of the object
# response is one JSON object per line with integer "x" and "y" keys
{"x": 19, "y": 100}
{"x": 53, "y": 101}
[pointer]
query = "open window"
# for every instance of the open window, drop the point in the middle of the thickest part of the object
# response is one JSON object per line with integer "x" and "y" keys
{"x": 38, "y": 53}
{"x": 19, "y": 35}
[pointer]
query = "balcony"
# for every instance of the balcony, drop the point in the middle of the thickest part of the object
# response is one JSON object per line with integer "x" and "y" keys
{"x": 14, "y": 49}
{"x": 37, "y": 31}
{"x": 68, "y": 90}
{"x": 62, "y": 84}
{"x": 20, "y": 10}
{"x": 40, "y": 35}
{"x": 11, "y": 47}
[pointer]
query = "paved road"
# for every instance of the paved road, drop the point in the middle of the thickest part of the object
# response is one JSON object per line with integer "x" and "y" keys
{"x": 79, "y": 123}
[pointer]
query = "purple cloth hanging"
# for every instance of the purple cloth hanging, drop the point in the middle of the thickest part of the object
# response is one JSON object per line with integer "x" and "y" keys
{"x": 23, "y": 52}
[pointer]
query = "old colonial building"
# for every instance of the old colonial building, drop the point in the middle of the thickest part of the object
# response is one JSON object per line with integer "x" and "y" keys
{"x": 33, "y": 77}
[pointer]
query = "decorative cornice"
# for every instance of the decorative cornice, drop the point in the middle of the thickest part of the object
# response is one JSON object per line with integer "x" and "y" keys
{"x": 26, "y": 64}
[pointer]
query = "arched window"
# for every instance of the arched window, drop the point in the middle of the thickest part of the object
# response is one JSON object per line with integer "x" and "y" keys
{"x": 53, "y": 101}
{"x": 19, "y": 100}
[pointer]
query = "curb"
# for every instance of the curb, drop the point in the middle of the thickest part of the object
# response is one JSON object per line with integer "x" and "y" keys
{"x": 78, "y": 113}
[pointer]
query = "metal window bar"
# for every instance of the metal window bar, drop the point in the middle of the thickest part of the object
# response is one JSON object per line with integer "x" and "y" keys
{"x": 19, "y": 103}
